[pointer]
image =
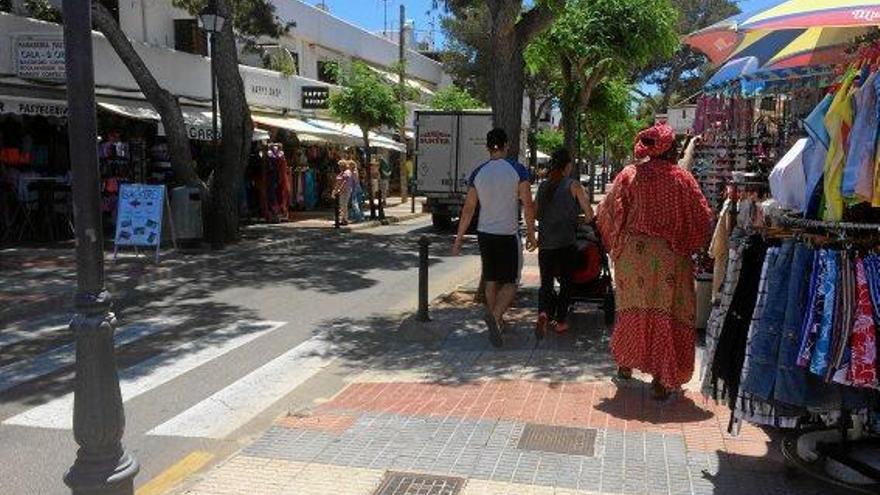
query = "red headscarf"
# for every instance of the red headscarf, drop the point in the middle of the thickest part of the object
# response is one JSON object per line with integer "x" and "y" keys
{"x": 654, "y": 141}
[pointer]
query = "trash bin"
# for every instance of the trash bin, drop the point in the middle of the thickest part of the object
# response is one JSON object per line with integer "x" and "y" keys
{"x": 186, "y": 210}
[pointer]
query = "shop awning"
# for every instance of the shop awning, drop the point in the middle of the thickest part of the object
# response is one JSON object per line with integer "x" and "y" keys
{"x": 410, "y": 82}
{"x": 376, "y": 140}
{"x": 308, "y": 138}
{"x": 33, "y": 107}
{"x": 305, "y": 131}
{"x": 198, "y": 121}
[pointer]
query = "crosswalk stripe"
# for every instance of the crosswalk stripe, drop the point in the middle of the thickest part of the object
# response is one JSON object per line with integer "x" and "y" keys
{"x": 19, "y": 372}
{"x": 232, "y": 407}
{"x": 153, "y": 372}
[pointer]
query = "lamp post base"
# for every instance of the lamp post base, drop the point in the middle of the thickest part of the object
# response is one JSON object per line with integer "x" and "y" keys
{"x": 102, "y": 475}
{"x": 102, "y": 465}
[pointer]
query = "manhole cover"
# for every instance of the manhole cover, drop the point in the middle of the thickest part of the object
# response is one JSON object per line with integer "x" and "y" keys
{"x": 559, "y": 439}
{"x": 395, "y": 483}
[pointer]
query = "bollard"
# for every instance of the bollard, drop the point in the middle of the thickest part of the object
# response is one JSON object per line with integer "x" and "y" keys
{"x": 338, "y": 212}
{"x": 412, "y": 193}
{"x": 424, "y": 242}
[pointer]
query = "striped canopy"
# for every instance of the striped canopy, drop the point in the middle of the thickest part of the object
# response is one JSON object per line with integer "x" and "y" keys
{"x": 719, "y": 40}
{"x": 799, "y": 14}
{"x": 789, "y": 48}
{"x": 809, "y": 29}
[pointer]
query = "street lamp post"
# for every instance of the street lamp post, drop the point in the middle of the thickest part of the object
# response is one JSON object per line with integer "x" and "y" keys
{"x": 212, "y": 23}
{"x": 102, "y": 465}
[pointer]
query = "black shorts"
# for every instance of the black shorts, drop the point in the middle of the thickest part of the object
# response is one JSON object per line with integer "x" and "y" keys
{"x": 501, "y": 257}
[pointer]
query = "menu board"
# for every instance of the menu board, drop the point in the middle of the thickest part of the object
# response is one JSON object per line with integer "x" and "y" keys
{"x": 139, "y": 215}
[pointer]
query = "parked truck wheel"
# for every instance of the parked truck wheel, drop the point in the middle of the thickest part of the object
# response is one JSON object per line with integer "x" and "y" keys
{"x": 441, "y": 221}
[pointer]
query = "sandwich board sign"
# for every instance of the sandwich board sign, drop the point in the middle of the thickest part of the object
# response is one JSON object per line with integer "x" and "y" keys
{"x": 139, "y": 216}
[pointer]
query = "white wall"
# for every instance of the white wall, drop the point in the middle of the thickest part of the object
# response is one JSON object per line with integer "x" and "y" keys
{"x": 681, "y": 118}
{"x": 150, "y": 21}
{"x": 318, "y": 35}
{"x": 321, "y": 34}
{"x": 183, "y": 74}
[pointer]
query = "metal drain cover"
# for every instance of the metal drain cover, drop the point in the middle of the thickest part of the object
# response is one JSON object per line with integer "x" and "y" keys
{"x": 395, "y": 483}
{"x": 558, "y": 439}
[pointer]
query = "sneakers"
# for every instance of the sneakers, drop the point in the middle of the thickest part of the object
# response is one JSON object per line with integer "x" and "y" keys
{"x": 541, "y": 326}
{"x": 494, "y": 332}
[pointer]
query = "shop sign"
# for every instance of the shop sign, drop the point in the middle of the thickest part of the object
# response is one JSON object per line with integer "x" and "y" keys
{"x": 33, "y": 107}
{"x": 40, "y": 57}
{"x": 139, "y": 215}
{"x": 266, "y": 91}
{"x": 197, "y": 133}
{"x": 315, "y": 97}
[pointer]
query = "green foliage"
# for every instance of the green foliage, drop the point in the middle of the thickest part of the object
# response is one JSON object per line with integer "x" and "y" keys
{"x": 281, "y": 61}
{"x": 549, "y": 140}
{"x": 251, "y": 18}
{"x": 467, "y": 52}
{"x": 623, "y": 34}
{"x": 611, "y": 120}
{"x": 453, "y": 98}
{"x": 43, "y": 10}
{"x": 365, "y": 99}
{"x": 38, "y": 9}
{"x": 686, "y": 72}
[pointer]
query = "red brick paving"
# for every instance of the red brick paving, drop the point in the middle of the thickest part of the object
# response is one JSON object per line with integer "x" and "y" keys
{"x": 598, "y": 405}
{"x": 328, "y": 422}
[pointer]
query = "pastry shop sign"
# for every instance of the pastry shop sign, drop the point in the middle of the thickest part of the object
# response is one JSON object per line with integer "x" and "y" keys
{"x": 33, "y": 107}
{"x": 40, "y": 58}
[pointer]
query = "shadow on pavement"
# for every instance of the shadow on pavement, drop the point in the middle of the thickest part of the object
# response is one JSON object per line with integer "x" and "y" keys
{"x": 322, "y": 260}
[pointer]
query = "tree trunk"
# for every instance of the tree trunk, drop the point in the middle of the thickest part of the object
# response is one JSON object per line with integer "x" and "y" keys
{"x": 507, "y": 88}
{"x": 671, "y": 87}
{"x": 236, "y": 135}
{"x": 511, "y": 32}
{"x": 162, "y": 100}
{"x": 368, "y": 156}
{"x": 533, "y": 134}
{"x": 568, "y": 105}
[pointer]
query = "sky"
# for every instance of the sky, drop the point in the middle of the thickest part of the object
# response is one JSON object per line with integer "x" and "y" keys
{"x": 370, "y": 14}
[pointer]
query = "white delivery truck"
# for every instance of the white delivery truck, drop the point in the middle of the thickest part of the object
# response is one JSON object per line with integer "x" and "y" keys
{"x": 449, "y": 146}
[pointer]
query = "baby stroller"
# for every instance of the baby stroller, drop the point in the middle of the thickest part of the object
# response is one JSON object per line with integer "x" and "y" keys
{"x": 591, "y": 278}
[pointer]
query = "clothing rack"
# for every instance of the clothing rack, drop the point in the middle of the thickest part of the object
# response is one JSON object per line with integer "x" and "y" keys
{"x": 836, "y": 451}
{"x": 805, "y": 223}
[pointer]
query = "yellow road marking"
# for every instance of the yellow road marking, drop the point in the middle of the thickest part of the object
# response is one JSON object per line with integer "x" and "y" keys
{"x": 175, "y": 474}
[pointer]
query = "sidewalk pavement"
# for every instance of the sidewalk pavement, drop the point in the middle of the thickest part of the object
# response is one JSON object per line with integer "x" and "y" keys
{"x": 431, "y": 408}
{"x": 36, "y": 280}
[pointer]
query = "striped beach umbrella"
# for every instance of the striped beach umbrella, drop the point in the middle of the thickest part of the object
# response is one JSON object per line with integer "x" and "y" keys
{"x": 802, "y": 14}
{"x": 789, "y": 48}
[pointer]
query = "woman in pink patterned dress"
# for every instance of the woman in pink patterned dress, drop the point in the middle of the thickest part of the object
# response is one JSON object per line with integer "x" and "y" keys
{"x": 652, "y": 221}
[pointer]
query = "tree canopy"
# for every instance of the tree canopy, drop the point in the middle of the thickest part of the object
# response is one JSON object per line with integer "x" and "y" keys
{"x": 251, "y": 18}
{"x": 365, "y": 99}
{"x": 593, "y": 47}
{"x": 685, "y": 73}
{"x": 453, "y": 98}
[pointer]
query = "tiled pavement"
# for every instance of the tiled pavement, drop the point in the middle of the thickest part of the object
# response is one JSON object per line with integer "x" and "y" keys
{"x": 459, "y": 409}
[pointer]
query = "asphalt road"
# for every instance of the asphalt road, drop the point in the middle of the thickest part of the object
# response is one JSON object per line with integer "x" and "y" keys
{"x": 209, "y": 358}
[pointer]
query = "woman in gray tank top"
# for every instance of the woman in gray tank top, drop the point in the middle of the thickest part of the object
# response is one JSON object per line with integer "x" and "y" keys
{"x": 560, "y": 201}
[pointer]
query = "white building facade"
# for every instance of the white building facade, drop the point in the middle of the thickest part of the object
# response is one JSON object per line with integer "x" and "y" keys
{"x": 174, "y": 48}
